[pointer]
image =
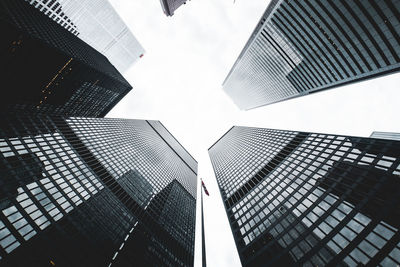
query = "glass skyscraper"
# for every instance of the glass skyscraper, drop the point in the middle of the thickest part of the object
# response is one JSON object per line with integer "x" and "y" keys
{"x": 94, "y": 192}
{"x": 46, "y": 69}
{"x": 310, "y": 199}
{"x": 98, "y": 24}
{"x": 169, "y": 6}
{"x": 302, "y": 47}
{"x": 174, "y": 210}
{"x": 386, "y": 135}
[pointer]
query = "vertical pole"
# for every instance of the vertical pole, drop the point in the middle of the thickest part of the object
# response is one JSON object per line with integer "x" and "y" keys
{"x": 203, "y": 245}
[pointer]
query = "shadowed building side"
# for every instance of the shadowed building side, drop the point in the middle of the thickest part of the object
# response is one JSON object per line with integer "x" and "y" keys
{"x": 173, "y": 211}
{"x": 48, "y": 70}
{"x": 98, "y": 24}
{"x": 85, "y": 191}
{"x": 344, "y": 175}
{"x": 296, "y": 198}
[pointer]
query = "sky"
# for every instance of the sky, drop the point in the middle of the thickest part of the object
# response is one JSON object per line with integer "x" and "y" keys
{"x": 179, "y": 82}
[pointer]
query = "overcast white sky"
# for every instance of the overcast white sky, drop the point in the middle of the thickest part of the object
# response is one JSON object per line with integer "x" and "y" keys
{"x": 178, "y": 82}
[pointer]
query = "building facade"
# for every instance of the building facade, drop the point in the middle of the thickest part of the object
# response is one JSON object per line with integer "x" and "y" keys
{"x": 174, "y": 211}
{"x": 302, "y": 47}
{"x": 46, "y": 69}
{"x": 169, "y": 6}
{"x": 386, "y": 135}
{"x": 309, "y": 199}
{"x": 94, "y": 192}
{"x": 98, "y": 24}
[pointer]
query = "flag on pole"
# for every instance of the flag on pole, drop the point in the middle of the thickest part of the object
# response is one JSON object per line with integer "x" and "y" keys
{"x": 204, "y": 187}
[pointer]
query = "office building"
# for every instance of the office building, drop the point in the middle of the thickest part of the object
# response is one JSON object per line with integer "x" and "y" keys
{"x": 309, "y": 199}
{"x": 94, "y": 192}
{"x": 46, "y": 69}
{"x": 169, "y": 6}
{"x": 174, "y": 210}
{"x": 386, "y": 135}
{"x": 141, "y": 192}
{"x": 303, "y": 47}
{"x": 98, "y": 24}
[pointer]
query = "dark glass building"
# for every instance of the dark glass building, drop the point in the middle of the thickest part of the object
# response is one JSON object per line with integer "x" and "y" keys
{"x": 302, "y": 47}
{"x": 169, "y": 6}
{"x": 386, "y": 135}
{"x": 309, "y": 199}
{"x": 174, "y": 212}
{"x": 47, "y": 69}
{"x": 98, "y": 24}
{"x": 94, "y": 192}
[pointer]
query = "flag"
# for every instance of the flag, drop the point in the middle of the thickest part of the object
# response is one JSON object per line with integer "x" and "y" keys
{"x": 204, "y": 187}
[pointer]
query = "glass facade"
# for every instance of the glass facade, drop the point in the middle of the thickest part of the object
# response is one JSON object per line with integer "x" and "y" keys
{"x": 49, "y": 70}
{"x": 93, "y": 192}
{"x": 55, "y": 10}
{"x": 97, "y": 23}
{"x": 169, "y": 6}
{"x": 386, "y": 135}
{"x": 309, "y": 199}
{"x": 174, "y": 144}
{"x": 301, "y": 47}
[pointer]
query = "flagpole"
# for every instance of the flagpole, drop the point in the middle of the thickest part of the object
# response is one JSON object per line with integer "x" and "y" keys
{"x": 203, "y": 245}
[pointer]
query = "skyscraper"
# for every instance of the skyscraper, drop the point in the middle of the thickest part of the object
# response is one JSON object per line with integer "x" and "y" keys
{"x": 174, "y": 210}
{"x": 169, "y": 6}
{"x": 94, "y": 192}
{"x": 298, "y": 198}
{"x": 302, "y": 47}
{"x": 46, "y": 69}
{"x": 386, "y": 135}
{"x": 97, "y": 23}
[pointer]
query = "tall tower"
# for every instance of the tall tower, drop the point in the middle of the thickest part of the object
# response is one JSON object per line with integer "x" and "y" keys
{"x": 174, "y": 211}
{"x": 298, "y": 198}
{"x": 98, "y": 24}
{"x": 302, "y": 47}
{"x": 94, "y": 192}
{"x": 386, "y": 135}
{"x": 46, "y": 69}
{"x": 169, "y": 6}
